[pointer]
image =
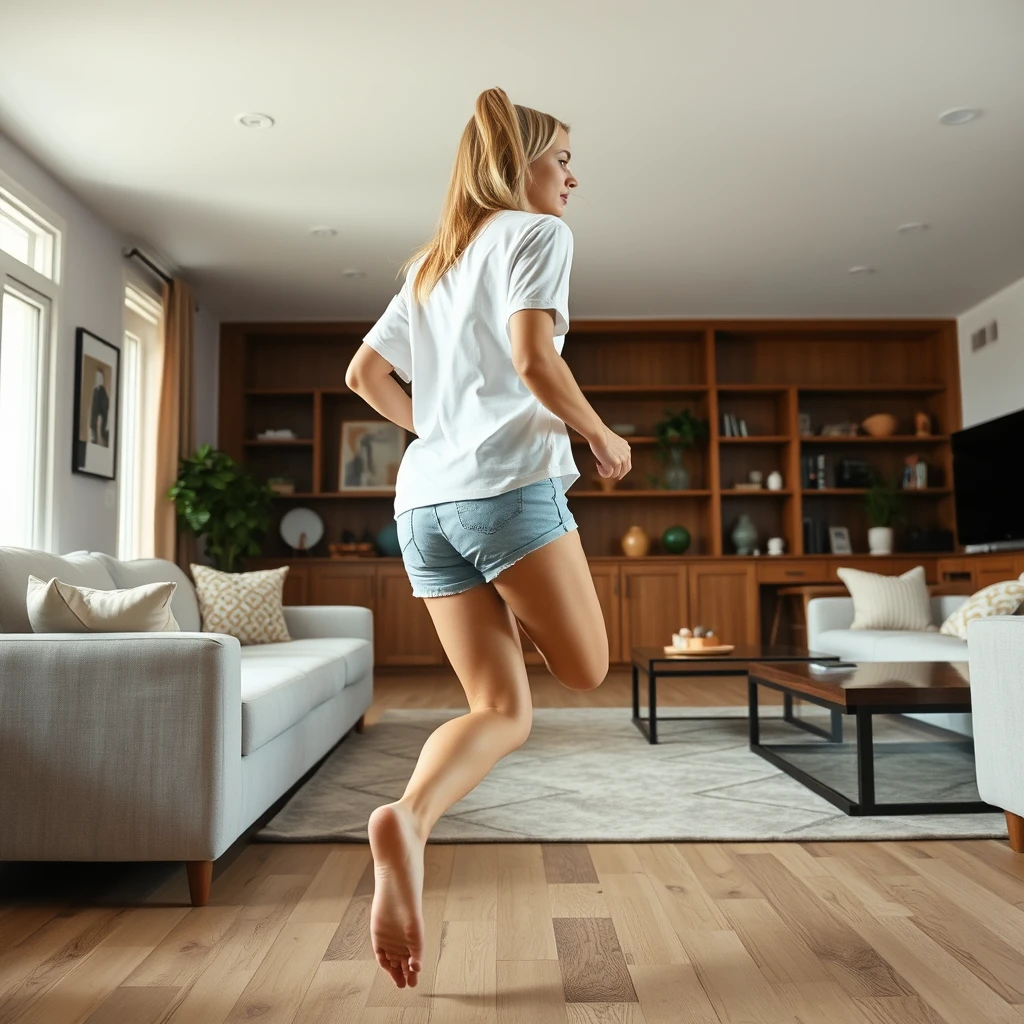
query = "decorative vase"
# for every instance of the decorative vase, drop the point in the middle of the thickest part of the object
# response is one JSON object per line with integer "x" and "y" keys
{"x": 882, "y": 424}
{"x": 387, "y": 541}
{"x": 774, "y": 480}
{"x": 744, "y": 535}
{"x": 677, "y": 476}
{"x": 675, "y": 540}
{"x": 635, "y": 542}
{"x": 880, "y": 540}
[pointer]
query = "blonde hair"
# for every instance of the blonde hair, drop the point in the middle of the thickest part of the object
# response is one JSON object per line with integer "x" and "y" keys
{"x": 490, "y": 173}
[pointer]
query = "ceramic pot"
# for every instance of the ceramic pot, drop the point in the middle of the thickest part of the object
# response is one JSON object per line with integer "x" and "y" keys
{"x": 774, "y": 480}
{"x": 677, "y": 476}
{"x": 675, "y": 540}
{"x": 880, "y": 540}
{"x": 744, "y": 536}
{"x": 635, "y": 542}
{"x": 882, "y": 424}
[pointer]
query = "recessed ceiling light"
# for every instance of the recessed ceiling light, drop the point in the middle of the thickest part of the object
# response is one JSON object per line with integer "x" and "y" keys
{"x": 322, "y": 231}
{"x": 255, "y": 120}
{"x": 959, "y": 115}
{"x": 912, "y": 225}
{"x": 862, "y": 270}
{"x": 353, "y": 273}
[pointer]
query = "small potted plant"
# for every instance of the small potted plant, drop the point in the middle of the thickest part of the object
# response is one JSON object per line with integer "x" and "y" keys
{"x": 884, "y": 503}
{"x": 677, "y": 431}
{"x": 218, "y": 499}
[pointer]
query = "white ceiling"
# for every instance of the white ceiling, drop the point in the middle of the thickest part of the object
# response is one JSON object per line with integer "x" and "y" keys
{"x": 735, "y": 157}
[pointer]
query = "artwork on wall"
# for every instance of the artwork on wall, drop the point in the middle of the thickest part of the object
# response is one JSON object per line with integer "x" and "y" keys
{"x": 95, "y": 424}
{"x": 371, "y": 451}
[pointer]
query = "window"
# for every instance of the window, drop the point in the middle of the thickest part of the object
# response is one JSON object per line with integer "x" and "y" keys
{"x": 141, "y": 369}
{"x": 30, "y": 241}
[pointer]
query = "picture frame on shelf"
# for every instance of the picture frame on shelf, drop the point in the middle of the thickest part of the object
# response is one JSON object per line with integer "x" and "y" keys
{"x": 371, "y": 452}
{"x": 96, "y": 415}
{"x": 839, "y": 540}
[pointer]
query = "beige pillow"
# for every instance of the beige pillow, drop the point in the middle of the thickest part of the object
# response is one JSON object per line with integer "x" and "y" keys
{"x": 247, "y": 605}
{"x": 889, "y": 602}
{"x": 55, "y": 607}
{"x": 998, "y": 599}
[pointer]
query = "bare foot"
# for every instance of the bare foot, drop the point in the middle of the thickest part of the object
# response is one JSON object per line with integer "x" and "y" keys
{"x": 396, "y": 917}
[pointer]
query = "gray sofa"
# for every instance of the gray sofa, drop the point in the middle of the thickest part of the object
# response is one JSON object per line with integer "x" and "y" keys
{"x": 161, "y": 746}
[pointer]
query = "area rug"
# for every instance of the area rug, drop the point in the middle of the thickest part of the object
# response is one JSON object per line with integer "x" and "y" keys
{"x": 588, "y": 775}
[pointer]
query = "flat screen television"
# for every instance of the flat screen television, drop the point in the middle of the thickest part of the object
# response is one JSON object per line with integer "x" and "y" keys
{"x": 988, "y": 481}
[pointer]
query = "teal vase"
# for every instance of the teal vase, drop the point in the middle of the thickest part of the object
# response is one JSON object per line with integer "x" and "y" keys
{"x": 744, "y": 536}
{"x": 387, "y": 541}
{"x": 677, "y": 476}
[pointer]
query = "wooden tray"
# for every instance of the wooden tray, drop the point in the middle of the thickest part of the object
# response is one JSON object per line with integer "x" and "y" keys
{"x": 700, "y": 651}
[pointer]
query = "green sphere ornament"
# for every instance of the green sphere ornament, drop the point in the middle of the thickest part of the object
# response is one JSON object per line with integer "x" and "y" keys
{"x": 675, "y": 540}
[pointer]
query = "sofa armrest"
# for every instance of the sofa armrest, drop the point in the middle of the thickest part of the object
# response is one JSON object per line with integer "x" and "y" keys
{"x": 308, "y": 622}
{"x": 995, "y": 651}
{"x": 119, "y": 746}
{"x": 825, "y": 613}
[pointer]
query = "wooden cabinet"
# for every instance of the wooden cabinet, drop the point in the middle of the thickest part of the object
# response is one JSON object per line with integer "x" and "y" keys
{"x": 607, "y": 583}
{"x": 655, "y": 604}
{"x": 996, "y": 571}
{"x": 885, "y": 565}
{"x": 724, "y": 597}
{"x": 353, "y": 583}
{"x": 771, "y": 570}
{"x": 296, "y": 585}
{"x": 404, "y": 632}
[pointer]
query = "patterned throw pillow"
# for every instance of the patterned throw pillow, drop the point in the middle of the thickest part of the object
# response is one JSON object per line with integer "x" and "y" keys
{"x": 889, "y": 602}
{"x": 247, "y": 605}
{"x": 998, "y": 599}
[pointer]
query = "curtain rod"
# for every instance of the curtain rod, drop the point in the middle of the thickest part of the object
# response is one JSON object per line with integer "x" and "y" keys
{"x": 149, "y": 263}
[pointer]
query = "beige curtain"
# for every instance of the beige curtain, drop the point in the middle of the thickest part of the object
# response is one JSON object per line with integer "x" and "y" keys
{"x": 176, "y": 432}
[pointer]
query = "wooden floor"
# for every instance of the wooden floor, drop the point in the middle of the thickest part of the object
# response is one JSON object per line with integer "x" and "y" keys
{"x": 806, "y": 933}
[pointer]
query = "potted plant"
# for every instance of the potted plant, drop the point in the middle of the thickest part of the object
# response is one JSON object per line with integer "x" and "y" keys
{"x": 216, "y": 498}
{"x": 677, "y": 431}
{"x": 884, "y": 503}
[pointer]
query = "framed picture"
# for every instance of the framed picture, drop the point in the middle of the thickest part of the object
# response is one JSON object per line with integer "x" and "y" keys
{"x": 839, "y": 540}
{"x": 96, "y": 421}
{"x": 371, "y": 451}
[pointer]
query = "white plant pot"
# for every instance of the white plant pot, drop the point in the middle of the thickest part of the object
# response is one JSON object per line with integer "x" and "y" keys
{"x": 880, "y": 540}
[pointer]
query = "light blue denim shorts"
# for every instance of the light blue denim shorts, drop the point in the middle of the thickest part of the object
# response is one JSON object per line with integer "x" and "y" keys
{"x": 454, "y": 545}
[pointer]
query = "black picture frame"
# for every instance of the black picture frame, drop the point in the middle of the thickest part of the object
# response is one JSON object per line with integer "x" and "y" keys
{"x": 84, "y": 450}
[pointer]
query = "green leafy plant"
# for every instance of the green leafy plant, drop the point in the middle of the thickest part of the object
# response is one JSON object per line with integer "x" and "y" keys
{"x": 217, "y": 498}
{"x": 681, "y": 429}
{"x": 884, "y": 503}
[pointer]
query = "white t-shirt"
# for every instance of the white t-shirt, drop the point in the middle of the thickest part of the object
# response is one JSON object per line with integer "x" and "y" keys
{"x": 480, "y": 431}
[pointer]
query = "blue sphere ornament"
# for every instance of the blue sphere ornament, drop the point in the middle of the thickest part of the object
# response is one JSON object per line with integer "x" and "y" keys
{"x": 387, "y": 541}
{"x": 676, "y": 539}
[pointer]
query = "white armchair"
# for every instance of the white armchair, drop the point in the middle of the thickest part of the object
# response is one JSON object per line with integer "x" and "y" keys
{"x": 996, "y": 655}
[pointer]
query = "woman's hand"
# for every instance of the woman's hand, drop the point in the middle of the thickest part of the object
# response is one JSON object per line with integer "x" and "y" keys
{"x": 612, "y": 453}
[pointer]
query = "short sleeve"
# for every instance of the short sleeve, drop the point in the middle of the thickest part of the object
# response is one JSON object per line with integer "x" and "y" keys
{"x": 539, "y": 274}
{"x": 389, "y": 336}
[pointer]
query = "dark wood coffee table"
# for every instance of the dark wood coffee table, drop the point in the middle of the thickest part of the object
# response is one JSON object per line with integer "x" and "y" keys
{"x": 863, "y": 691}
{"x": 657, "y": 664}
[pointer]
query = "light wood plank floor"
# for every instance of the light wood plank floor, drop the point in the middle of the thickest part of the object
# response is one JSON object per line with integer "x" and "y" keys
{"x": 865, "y": 933}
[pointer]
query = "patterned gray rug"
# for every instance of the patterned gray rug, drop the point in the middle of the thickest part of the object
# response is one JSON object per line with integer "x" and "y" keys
{"x": 587, "y": 775}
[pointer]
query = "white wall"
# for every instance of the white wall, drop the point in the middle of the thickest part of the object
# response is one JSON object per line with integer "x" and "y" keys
{"x": 93, "y": 297}
{"x": 992, "y": 379}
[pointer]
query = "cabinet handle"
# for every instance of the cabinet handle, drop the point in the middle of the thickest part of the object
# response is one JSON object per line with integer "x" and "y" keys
{"x": 795, "y": 572}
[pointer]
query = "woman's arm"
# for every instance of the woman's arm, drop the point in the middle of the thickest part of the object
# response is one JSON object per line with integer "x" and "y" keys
{"x": 369, "y": 376}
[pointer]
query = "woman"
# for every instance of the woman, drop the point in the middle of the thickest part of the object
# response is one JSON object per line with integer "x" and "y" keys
{"x": 486, "y": 534}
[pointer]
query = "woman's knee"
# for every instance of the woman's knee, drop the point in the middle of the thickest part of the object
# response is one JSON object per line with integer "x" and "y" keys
{"x": 584, "y": 673}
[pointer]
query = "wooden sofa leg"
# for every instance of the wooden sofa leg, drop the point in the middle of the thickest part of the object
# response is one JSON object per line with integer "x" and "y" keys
{"x": 200, "y": 875}
{"x": 1015, "y": 826}
{"x": 360, "y": 723}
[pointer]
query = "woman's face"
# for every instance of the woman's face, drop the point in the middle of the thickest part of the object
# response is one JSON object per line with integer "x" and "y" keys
{"x": 550, "y": 178}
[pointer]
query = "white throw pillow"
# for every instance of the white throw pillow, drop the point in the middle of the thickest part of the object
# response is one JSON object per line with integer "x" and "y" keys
{"x": 998, "y": 599}
{"x": 889, "y": 602}
{"x": 55, "y": 607}
{"x": 246, "y": 605}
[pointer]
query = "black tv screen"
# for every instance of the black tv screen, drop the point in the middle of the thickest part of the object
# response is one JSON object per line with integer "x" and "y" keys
{"x": 988, "y": 480}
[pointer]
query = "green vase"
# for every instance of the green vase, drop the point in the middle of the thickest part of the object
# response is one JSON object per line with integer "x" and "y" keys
{"x": 677, "y": 476}
{"x": 675, "y": 540}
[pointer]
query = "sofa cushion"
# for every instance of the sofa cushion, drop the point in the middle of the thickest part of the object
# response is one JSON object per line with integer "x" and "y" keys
{"x": 282, "y": 683}
{"x": 79, "y": 568}
{"x": 890, "y": 645}
{"x": 57, "y": 607}
{"x": 246, "y": 605}
{"x": 1003, "y": 598}
{"x": 137, "y": 571}
{"x": 888, "y": 602}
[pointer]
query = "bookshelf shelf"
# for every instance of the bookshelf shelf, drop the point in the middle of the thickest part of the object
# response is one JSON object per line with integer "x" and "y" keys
{"x": 765, "y": 439}
{"x": 764, "y": 492}
{"x": 845, "y": 492}
{"x": 911, "y": 439}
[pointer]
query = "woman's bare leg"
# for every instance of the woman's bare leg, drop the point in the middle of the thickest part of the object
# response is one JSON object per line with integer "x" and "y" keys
{"x": 553, "y": 594}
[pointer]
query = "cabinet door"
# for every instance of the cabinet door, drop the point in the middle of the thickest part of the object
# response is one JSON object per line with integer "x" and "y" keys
{"x": 342, "y": 584}
{"x": 723, "y": 597}
{"x": 654, "y": 605}
{"x": 403, "y": 630}
{"x": 606, "y": 583}
{"x": 296, "y": 585}
{"x": 996, "y": 571}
